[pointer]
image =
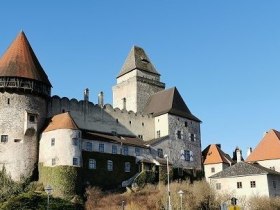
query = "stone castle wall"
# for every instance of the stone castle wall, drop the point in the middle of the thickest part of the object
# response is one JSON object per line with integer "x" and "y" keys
{"x": 20, "y": 153}
{"x": 92, "y": 117}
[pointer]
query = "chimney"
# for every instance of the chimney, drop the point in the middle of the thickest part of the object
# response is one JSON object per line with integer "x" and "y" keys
{"x": 238, "y": 154}
{"x": 124, "y": 103}
{"x": 249, "y": 151}
{"x": 86, "y": 94}
{"x": 101, "y": 99}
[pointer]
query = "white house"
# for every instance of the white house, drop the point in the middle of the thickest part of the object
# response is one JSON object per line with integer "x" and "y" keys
{"x": 244, "y": 179}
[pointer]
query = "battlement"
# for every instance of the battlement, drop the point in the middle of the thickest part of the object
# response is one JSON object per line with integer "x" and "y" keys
{"x": 105, "y": 118}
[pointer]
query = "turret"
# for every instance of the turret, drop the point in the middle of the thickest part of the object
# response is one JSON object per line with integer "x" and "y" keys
{"x": 24, "y": 92}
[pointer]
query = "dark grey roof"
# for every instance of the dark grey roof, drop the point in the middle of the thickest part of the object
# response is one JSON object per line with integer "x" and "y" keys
{"x": 168, "y": 101}
{"x": 157, "y": 140}
{"x": 243, "y": 169}
{"x": 137, "y": 59}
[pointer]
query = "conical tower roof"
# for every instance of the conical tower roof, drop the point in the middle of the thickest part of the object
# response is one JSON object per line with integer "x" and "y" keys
{"x": 168, "y": 101}
{"x": 61, "y": 121}
{"x": 137, "y": 59}
{"x": 20, "y": 61}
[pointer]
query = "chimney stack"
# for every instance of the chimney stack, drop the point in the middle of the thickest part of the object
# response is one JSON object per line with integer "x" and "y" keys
{"x": 101, "y": 99}
{"x": 249, "y": 151}
{"x": 86, "y": 94}
{"x": 238, "y": 154}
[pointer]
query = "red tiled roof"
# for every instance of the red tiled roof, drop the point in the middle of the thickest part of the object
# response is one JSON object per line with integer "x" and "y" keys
{"x": 61, "y": 121}
{"x": 267, "y": 149}
{"x": 213, "y": 154}
{"x": 20, "y": 61}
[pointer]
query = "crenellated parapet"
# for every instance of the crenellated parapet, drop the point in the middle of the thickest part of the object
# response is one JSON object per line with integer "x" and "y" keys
{"x": 105, "y": 118}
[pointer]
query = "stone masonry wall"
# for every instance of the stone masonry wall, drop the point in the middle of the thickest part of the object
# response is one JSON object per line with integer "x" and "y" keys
{"x": 92, "y": 117}
{"x": 20, "y": 153}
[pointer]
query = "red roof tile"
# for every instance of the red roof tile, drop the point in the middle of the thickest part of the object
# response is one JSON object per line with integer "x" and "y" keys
{"x": 61, "y": 121}
{"x": 213, "y": 154}
{"x": 268, "y": 148}
{"x": 20, "y": 61}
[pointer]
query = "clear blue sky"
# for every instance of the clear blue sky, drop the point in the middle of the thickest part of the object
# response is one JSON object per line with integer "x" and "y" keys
{"x": 223, "y": 56}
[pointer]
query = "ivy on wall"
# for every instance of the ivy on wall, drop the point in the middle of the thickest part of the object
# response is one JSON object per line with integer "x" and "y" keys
{"x": 65, "y": 180}
{"x": 101, "y": 176}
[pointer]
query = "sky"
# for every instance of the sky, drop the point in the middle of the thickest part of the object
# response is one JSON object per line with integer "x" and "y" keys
{"x": 222, "y": 55}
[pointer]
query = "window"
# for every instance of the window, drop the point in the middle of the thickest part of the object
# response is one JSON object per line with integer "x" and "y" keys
{"x": 125, "y": 150}
{"x": 186, "y": 124}
{"x": 187, "y": 155}
{"x": 75, "y": 161}
{"x": 52, "y": 141}
{"x": 32, "y": 118}
{"x": 75, "y": 141}
{"x": 158, "y": 134}
{"x": 8, "y": 101}
{"x": 109, "y": 165}
{"x": 114, "y": 149}
{"x": 239, "y": 185}
{"x": 137, "y": 151}
{"x": 160, "y": 152}
{"x": 91, "y": 164}
{"x": 101, "y": 147}
{"x": 127, "y": 167}
{"x": 89, "y": 146}
{"x": 143, "y": 124}
{"x": 253, "y": 184}
{"x": 274, "y": 184}
{"x": 218, "y": 186}
{"x": 192, "y": 137}
{"x": 212, "y": 170}
{"x": 4, "y": 138}
{"x": 179, "y": 134}
{"x": 140, "y": 136}
{"x": 53, "y": 162}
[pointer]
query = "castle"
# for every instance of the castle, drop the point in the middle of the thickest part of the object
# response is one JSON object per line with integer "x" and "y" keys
{"x": 99, "y": 144}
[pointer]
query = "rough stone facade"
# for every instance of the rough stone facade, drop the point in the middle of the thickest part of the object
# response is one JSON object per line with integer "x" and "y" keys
{"x": 19, "y": 154}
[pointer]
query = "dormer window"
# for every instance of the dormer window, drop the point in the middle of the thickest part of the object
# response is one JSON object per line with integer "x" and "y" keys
{"x": 144, "y": 60}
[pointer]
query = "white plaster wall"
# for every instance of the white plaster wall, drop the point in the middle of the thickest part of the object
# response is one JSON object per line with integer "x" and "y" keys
{"x": 108, "y": 147}
{"x": 161, "y": 124}
{"x": 229, "y": 185}
{"x": 63, "y": 151}
{"x": 271, "y": 164}
{"x": 218, "y": 167}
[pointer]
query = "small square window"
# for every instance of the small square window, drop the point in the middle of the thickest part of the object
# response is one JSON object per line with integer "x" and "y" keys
{"x": 92, "y": 164}
{"x": 4, "y": 138}
{"x": 179, "y": 134}
{"x": 140, "y": 136}
{"x": 160, "y": 152}
{"x": 125, "y": 150}
{"x": 274, "y": 184}
{"x": 253, "y": 184}
{"x": 75, "y": 161}
{"x": 212, "y": 170}
{"x": 109, "y": 165}
{"x": 53, "y": 162}
{"x": 52, "y": 141}
{"x": 218, "y": 186}
{"x": 89, "y": 146}
{"x": 114, "y": 149}
{"x": 17, "y": 140}
{"x": 127, "y": 167}
{"x": 158, "y": 134}
{"x": 32, "y": 118}
{"x": 239, "y": 185}
{"x": 101, "y": 147}
{"x": 137, "y": 151}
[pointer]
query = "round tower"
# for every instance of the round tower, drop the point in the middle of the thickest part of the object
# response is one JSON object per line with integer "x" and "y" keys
{"x": 24, "y": 93}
